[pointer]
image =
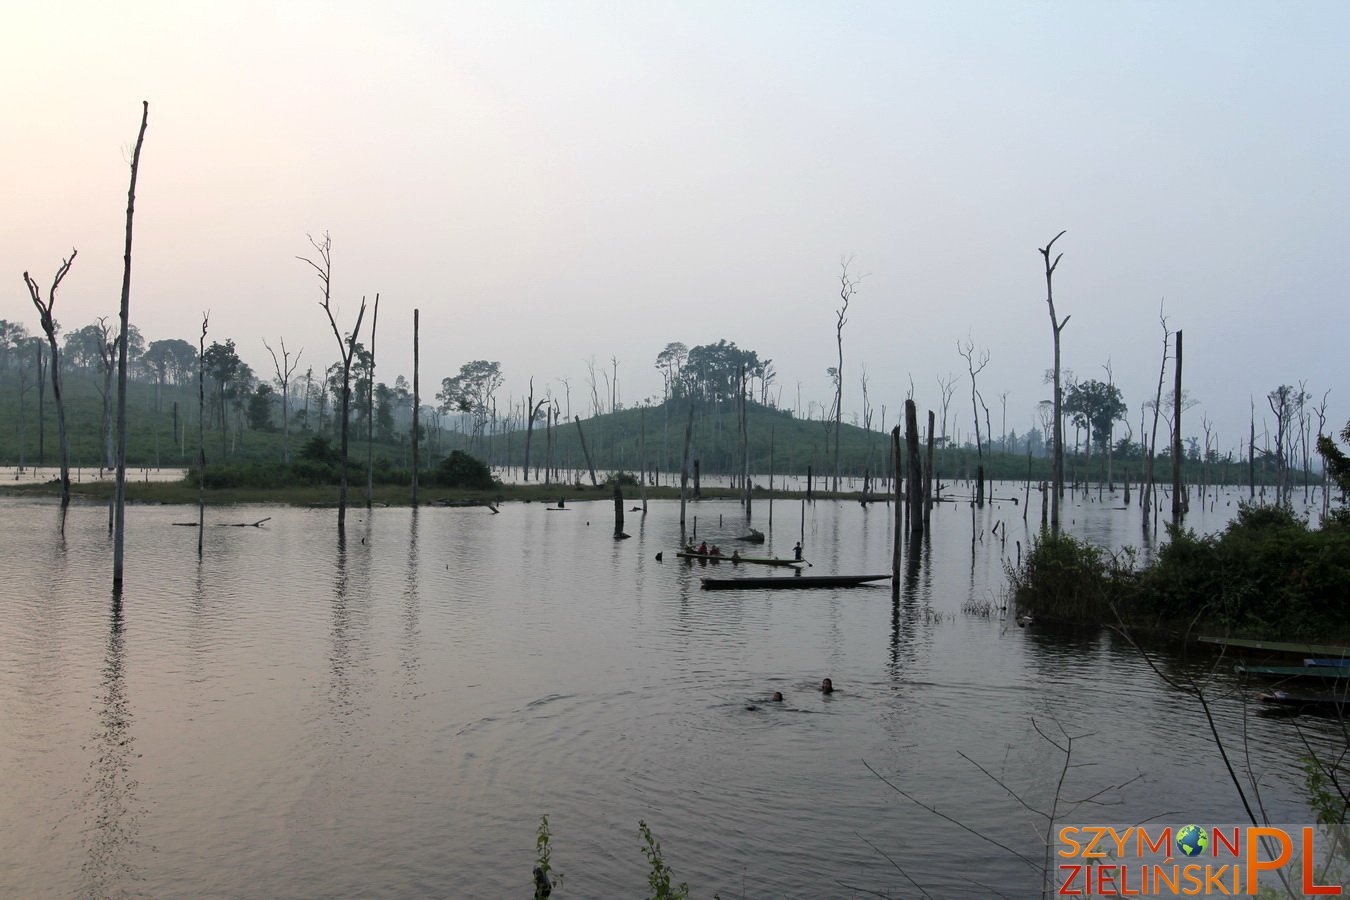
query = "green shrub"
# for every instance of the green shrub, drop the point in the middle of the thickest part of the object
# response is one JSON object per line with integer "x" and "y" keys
{"x": 461, "y": 470}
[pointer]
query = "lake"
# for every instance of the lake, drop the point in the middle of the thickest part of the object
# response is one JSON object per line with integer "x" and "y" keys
{"x": 389, "y": 715}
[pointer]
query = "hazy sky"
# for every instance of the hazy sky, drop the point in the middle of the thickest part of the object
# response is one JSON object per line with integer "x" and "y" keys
{"x": 550, "y": 182}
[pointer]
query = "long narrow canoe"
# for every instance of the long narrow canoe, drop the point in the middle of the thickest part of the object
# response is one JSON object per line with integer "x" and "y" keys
{"x": 788, "y": 582}
{"x": 1321, "y": 650}
{"x": 1294, "y": 671}
{"x": 724, "y": 557}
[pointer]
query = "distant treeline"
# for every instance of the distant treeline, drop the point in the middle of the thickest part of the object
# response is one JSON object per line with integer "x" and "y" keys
{"x": 163, "y": 430}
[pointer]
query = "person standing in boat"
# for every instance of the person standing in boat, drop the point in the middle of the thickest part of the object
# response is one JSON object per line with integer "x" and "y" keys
{"x": 797, "y": 552}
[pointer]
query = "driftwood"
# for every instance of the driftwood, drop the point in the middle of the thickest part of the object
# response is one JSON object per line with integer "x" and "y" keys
{"x": 257, "y": 524}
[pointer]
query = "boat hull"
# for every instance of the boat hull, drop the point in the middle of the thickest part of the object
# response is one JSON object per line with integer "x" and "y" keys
{"x": 794, "y": 582}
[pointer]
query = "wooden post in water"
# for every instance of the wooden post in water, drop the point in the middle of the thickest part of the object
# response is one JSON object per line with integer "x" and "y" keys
{"x": 618, "y": 509}
{"x": 913, "y": 480}
{"x": 808, "y": 482}
{"x": 898, "y": 530}
{"x": 928, "y": 475}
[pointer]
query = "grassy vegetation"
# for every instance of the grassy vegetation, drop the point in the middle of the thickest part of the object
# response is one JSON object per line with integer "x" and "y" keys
{"x": 1268, "y": 574}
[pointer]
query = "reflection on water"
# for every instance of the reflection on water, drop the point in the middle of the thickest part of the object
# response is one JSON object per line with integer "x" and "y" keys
{"x": 112, "y": 816}
{"x": 387, "y": 714}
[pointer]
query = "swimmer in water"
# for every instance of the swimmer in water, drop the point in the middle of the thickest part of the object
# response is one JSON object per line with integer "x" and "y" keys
{"x": 827, "y": 686}
{"x": 777, "y": 697}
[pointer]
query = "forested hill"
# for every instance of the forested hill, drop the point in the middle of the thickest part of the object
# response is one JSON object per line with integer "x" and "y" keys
{"x": 163, "y": 430}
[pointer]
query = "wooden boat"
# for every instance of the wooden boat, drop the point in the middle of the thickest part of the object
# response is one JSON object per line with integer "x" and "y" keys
{"x": 1335, "y": 661}
{"x": 1294, "y": 671}
{"x": 725, "y": 557}
{"x": 789, "y": 582}
{"x": 1304, "y": 650}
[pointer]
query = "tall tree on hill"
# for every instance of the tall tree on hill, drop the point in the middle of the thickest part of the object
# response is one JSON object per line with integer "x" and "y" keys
{"x": 848, "y": 286}
{"x": 1095, "y": 407}
{"x": 1056, "y": 327}
{"x": 49, "y": 328}
{"x": 346, "y": 347}
{"x": 472, "y": 391}
{"x": 222, "y": 363}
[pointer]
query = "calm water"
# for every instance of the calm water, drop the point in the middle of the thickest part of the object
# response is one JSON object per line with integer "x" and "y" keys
{"x": 299, "y": 717}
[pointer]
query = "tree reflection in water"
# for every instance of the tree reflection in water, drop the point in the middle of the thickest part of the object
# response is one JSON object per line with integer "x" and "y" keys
{"x": 110, "y": 802}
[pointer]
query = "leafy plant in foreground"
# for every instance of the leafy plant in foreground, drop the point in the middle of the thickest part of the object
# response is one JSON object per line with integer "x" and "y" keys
{"x": 660, "y": 875}
{"x": 543, "y": 877}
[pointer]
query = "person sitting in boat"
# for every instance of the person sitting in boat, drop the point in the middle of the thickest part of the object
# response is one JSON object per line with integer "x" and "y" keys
{"x": 797, "y": 551}
{"x": 702, "y": 549}
{"x": 827, "y": 686}
{"x": 736, "y": 556}
{"x": 715, "y": 551}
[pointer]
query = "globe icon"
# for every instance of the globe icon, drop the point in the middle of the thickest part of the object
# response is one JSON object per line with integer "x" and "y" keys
{"x": 1192, "y": 839}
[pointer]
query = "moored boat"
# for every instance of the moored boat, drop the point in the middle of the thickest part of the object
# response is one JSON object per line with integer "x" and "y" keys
{"x": 789, "y": 582}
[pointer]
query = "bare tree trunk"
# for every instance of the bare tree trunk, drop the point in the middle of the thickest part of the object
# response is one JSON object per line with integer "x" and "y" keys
{"x": 1176, "y": 439}
{"x": 914, "y": 483}
{"x": 928, "y": 475}
{"x": 49, "y": 328}
{"x": 898, "y": 528}
{"x": 587, "y": 453}
{"x": 201, "y": 436}
{"x": 1057, "y": 488}
{"x": 847, "y": 288}
{"x": 284, "y": 369}
{"x": 120, "y": 527}
{"x": 1146, "y": 493}
{"x": 347, "y": 348}
{"x": 530, "y": 411}
{"x": 1251, "y": 456}
{"x": 642, "y": 454}
{"x": 370, "y": 408}
{"x": 684, "y": 464}
{"x": 417, "y": 406}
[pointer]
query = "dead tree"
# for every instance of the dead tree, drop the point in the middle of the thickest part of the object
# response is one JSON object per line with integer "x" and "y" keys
{"x": 974, "y": 366}
{"x": 49, "y": 328}
{"x": 347, "y": 349}
{"x": 587, "y": 453}
{"x": 285, "y": 369}
{"x": 914, "y": 473}
{"x": 531, "y": 415}
{"x": 1146, "y": 492}
{"x": 1177, "y": 404}
{"x": 107, "y": 359}
{"x": 120, "y": 492}
{"x": 370, "y": 408}
{"x": 416, "y": 410}
{"x": 848, "y": 286}
{"x": 201, "y": 433}
{"x": 1056, "y": 327}
{"x": 684, "y": 465}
